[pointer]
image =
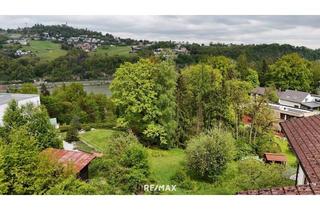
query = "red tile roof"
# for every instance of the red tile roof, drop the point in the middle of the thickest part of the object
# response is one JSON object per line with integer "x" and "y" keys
{"x": 308, "y": 189}
{"x": 304, "y": 137}
{"x": 275, "y": 157}
{"x": 77, "y": 158}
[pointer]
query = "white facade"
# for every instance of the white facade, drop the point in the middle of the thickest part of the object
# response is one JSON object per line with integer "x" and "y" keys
{"x": 289, "y": 103}
{"x": 33, "y": 99}
{"x": 301, "y": 178}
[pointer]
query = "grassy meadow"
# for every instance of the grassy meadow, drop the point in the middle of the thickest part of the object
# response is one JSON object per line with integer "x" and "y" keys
{"x": 46, "y": 50}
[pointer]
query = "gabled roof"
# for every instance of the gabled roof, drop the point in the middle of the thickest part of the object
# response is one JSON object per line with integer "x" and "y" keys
{"x": 308, "y": 189}
{"x": 77, "y": 158}
{"x": 293, "y": 95}
{"x": 304, "y": 137}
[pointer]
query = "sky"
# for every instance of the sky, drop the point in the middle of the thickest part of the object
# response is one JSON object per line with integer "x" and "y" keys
{"x": 294, "y": 30}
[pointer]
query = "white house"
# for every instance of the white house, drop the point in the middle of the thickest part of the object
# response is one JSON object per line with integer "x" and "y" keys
{"x": 22, "y": 99}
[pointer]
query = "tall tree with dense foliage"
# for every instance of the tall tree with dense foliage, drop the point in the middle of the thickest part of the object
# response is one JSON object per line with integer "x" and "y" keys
{"x": 208, "y": 154}
{"x": 203, "y": 84}
{"x": 144, "y": 95}
{"x": 238, "y": 94}
{"x": 226, "y": 66}
{"x": 290, "y": 72}
{"x": 36, "y": 121}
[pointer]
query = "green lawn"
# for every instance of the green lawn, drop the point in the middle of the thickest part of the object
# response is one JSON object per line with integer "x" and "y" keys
{"x": 113, "y": 50}
{"x": 165, "y": 163}
{"x": 284, "y": 145}
{"x": 98, "y": 139}
{"x": 46, "y": 50}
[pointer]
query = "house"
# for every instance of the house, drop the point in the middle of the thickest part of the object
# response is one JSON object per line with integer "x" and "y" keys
{"x": 77, "y": 160}
{"x": 87, "y": 47}
{"x": 23, "y": 41}
{"x": 275, "y": 158}
{"x": 291, "y": 104}
{"x": 20, "y": 53}
{"x": 303, "y": 135}
{"x": 22, "y": 99}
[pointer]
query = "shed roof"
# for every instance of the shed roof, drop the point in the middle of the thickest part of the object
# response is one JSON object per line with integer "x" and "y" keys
{"x": 275, "y": 157}
{"x": 7, "y": 97}
{"x": 308, "y": 189}
{"x": 293, "y": 95}
{"x": 304, "y": 137}
{"x": 77, "y": 158}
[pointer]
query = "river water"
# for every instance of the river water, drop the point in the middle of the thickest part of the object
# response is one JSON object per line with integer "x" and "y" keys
{"x": 92, "y": 88}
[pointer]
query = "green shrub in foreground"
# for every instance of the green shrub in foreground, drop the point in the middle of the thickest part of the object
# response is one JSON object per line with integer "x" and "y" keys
{"x": 208, "y": 154}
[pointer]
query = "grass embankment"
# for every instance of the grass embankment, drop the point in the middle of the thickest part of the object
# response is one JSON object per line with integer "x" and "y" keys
{"x": 97, "y": 139}
{"x": 284, "y": 146}
{"x": 45, "y": 50}
{"x": 113, "y": 50}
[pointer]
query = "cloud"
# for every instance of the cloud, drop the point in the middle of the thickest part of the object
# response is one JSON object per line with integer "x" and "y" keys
{"x": 295, "y": 30}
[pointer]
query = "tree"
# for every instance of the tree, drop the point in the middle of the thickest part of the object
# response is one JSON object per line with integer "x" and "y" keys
{"x": 35, "y": 120}
{"x": 315, "y": 70}
{"x": 252, "y": 77}
{"x": 290, "y": 72}
{"x": 20, "y": 161}
{"x": 203, "y": 83}
{"x": 262, "y": 117}
{"x": 238, "y": 94}
{"x": 144, "y": 96}
{"x": 243, "y": 66}
{"x": 208, "y": 154}
{"x": 28, "y": 88}
{"x": 72, "y": 133}
{"x": 3, "y": 183}
{"x": 226, "y": 66}
{"x": 44, "y": 90}
{"x": 184, "y": 111}
{"x": 13, "y": 116}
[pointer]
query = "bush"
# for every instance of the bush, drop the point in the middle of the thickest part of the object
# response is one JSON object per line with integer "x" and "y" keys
{"x": 243, "y": 149}
{"x": 72, "y": 186}
{"x": 208, "y": 154}
{"x": 266, "y": 144}
{"x": 64, "y": 128}
{"x": 124, "y": 167}
{"x": 182, "y": 180}
{"x": 254, "y": 174}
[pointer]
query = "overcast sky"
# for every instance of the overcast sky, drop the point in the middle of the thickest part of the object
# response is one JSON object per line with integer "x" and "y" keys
{"x": 295, "y": 30}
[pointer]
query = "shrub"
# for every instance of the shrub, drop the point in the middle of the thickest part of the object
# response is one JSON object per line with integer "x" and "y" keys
{"x": 243, "y": 149}
{"x": 208, "y": 154}
{"x": 64, "y": 128}
{"x": 124, "y": 166}
{"x": 266, "y": 144}
{"x": 182, "y": 180}
{"x": 72, "y": 186}
{"x": 254, "y": 174}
